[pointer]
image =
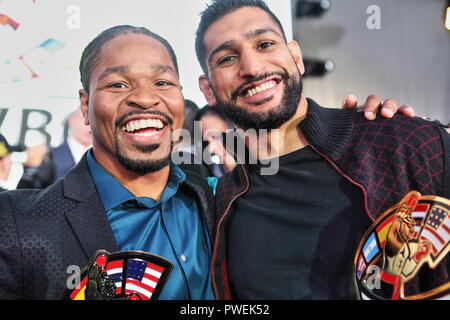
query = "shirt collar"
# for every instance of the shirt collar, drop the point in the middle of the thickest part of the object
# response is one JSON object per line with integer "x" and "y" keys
{"x": 113, "y": 193}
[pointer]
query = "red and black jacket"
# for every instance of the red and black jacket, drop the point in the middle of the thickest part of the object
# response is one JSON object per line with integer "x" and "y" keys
{"x": 385, "y": 158}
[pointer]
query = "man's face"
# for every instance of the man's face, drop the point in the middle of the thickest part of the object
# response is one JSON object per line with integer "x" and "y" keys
{"x": 252, "y": 73}
{"x": 134, "y": 103}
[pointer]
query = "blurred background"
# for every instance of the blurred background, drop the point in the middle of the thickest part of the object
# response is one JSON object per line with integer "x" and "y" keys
{"x": 392, "y": 48}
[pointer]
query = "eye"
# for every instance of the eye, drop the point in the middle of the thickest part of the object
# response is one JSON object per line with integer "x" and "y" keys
{"x": 117, "y": 85}
{"x": 226, "y": 59}
{"x": 265, "y": 45}
{"x": 163, "y": 83}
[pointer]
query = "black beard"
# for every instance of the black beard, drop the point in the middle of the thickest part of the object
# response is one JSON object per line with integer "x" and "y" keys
{"x": 142, "y": 167}
{"x": 271, "y": 119}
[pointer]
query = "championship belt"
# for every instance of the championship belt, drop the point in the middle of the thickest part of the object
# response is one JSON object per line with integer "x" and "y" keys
{"x": 123, "y": 275}
{"x": 412, "y": 235}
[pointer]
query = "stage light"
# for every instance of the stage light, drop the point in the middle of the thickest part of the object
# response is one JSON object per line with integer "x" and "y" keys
{"x": 317, "y": 68}
{"x": 307, "y": 8}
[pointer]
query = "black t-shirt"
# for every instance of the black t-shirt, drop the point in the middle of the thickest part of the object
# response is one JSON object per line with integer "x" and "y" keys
{"x": 295, "y": 234}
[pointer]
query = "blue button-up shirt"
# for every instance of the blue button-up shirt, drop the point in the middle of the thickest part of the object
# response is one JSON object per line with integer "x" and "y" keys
{"x": 171, "y": 228}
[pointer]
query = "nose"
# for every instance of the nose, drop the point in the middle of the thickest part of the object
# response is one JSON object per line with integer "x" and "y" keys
{"x": 144, "y": 98}
{"x": 250, "y": 64}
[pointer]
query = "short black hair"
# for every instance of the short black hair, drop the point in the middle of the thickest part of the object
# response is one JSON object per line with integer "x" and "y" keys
{"x": 218, "y": 9}
{"x": 90, "y": 56}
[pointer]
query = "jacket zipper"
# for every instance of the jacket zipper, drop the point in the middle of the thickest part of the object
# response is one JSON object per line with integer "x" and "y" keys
{"x": 216, "y": 242}
{"x": 366, "y": 197}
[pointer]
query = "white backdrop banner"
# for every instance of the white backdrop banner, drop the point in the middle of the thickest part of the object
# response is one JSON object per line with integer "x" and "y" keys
{"x": 41, "y": 42}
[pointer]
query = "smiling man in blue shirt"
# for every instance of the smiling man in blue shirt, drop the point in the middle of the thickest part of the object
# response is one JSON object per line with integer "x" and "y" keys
{"x": 125, "y": 193}
{"x": 132, "y": 100}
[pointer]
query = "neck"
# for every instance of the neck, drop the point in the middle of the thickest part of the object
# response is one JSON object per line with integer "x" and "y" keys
{"x": 281, "y": 141}
{"x": 141, "y": 185}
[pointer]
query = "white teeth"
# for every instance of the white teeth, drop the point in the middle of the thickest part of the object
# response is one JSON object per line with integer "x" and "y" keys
{"x": 142, "y": 124}
{"x": 146, "y": 134}
{"x": 260, "y": 88}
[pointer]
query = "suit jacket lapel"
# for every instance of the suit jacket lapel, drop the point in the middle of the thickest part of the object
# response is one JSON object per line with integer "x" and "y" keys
{"x": 88, "y": 220}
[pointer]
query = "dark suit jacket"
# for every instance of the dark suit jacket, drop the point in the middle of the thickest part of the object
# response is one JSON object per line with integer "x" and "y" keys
{"x": 42, "y": 232}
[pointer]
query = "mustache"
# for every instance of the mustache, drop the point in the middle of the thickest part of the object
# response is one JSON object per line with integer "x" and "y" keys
{"x": 262, "y": 76}
{"x": 122, "y": 118}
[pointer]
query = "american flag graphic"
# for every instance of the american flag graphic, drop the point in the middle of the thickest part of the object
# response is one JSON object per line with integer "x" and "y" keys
{"x": 418, "y": 214}
{"x": 437, "y": 229}
{"x": 142, "y": 278}
{"x": 429, "y": 245}
{"x": 137, "y": 275}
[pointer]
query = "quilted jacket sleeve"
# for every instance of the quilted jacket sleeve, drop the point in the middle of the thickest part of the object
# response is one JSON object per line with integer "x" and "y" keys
{"x": 11, "y": 266}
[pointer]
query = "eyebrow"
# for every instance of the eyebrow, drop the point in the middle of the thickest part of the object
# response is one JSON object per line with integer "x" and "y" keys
{"x": 255, "y": 33}
{"x": 159, "y": 68}
{"x": 223, "y": 46}
{"x": 248, "y": 36}
{"x": 111, "y": 70}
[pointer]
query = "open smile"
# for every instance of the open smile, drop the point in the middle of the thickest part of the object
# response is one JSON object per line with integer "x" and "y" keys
{"x": 144, "y": 128}
{"x": 259, "y": 90}
{"x": 250, "y": 92}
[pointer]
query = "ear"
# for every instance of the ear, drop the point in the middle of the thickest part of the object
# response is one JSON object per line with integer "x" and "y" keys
{"x": 84, "y": 105}
{"x": 296, "y": 53}
{"x": 208, "y": 92}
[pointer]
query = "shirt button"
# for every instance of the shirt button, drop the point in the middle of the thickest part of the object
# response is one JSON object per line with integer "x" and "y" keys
{"x": 183, "y": 258}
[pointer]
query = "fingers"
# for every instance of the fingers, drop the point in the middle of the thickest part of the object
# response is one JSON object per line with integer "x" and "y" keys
{"x": 389, "y": 108}
{"x": 373, "y": 103}
{"x": 407, "y": 110}
{"x": 350, "y": 102}
{"x": 371, "y": 106}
